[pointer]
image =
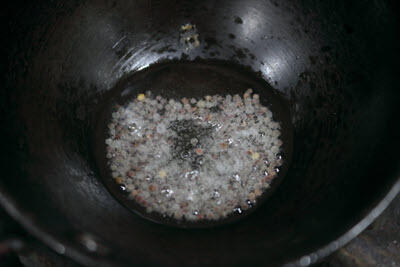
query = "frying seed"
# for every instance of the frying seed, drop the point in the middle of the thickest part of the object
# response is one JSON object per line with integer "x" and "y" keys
{"x": 194, "y": 159}
{"x": 199, "y": 151}
{"x": 255, "y": 156}
{"x": 152, "y": 188}
{"x": 141, "y": 97}
{"x": 258, "y": 192}
{"x": 130, "y": 174}
{"x": 162, "y": 174}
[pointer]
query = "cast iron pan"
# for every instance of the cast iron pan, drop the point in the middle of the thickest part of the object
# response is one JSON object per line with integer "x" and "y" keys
{"x": 329, "y": 65}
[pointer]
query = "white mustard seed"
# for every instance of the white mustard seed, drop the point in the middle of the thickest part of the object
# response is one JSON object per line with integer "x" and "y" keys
{"x": 194, "y": 159}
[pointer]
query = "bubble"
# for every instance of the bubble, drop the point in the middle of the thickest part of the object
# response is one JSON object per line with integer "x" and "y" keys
{"x": 216, "y": 194}
{"x": 238, "y": 210}
{"x": 132, "y": 127}
{"x": 185, "y": 154}
{"x": 199, "y": 161}
{"x": 192, "y": 175}
{"x": 167, "y": 192}
{"x": 236, "y": 177}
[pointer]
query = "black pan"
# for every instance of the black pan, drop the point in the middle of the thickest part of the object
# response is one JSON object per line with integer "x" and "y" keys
{"x": 332, "y": 65}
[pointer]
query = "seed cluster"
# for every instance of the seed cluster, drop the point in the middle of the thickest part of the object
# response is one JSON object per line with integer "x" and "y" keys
{"x": 194, "y": 159}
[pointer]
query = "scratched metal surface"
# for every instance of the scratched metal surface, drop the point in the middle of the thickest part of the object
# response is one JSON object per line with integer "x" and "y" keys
{"x": 378, "y": 245}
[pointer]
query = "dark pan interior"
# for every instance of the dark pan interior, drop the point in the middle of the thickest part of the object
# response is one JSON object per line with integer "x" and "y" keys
{"x": 182, "y": 78}
{"x": 333, "y": 62}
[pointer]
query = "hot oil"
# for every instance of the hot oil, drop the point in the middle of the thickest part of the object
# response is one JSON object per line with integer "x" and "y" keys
{"x": 176, "y": 80}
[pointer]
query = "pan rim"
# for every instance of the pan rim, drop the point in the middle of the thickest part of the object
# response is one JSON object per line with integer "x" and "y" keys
{"x": 60, "y": 247}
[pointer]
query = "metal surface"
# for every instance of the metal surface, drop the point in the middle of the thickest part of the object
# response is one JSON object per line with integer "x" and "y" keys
{"x": 333, "y": 61}
{"x": 378, "y": 245}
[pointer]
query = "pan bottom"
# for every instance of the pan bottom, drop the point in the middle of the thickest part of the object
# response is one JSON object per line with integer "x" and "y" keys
{"x": 177, "y": 80}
